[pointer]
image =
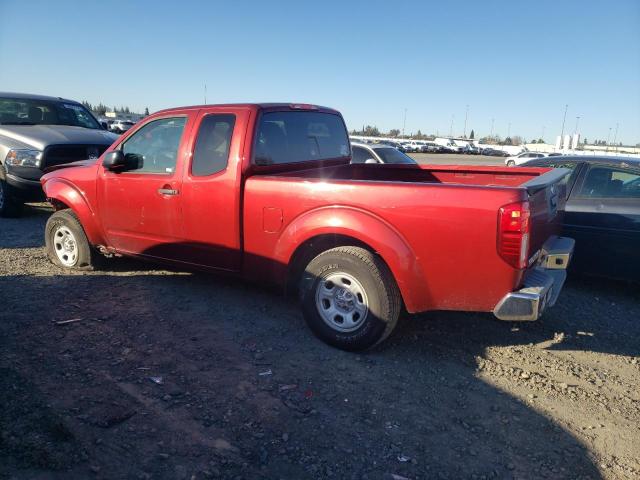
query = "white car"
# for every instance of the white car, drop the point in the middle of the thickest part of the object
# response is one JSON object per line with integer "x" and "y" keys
{"x": 121, "y": 126}
{"x": 522, "y": 158}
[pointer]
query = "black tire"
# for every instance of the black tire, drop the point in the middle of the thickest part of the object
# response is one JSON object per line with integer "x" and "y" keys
{"x": 67, "y": 219}
{"x": 382, "y": 295}
{"x": 511, "y": 163}
{"x": 10, "y": 205}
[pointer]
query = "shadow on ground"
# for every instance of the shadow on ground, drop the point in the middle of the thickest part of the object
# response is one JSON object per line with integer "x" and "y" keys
{"x": 161, "y": 374}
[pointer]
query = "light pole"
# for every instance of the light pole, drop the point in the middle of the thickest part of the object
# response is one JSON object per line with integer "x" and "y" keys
{"x": 542, "y": 137}
{"x": 576, "y": 129}
{"x": 492, "y": 120}
{"x": 404, "y": 122}
{"x": 451, "y": 128}
{"x": 509, "y": 130}
{"x": 563, "y": 120}
{"x": 466, "y": 114}
{"x": 615, "y": 137}
{"x": 608, "y": 137}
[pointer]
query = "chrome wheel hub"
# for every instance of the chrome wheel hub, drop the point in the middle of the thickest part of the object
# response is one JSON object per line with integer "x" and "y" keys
{"x": 65, "y": 246}
{"x": 342, "y": 301}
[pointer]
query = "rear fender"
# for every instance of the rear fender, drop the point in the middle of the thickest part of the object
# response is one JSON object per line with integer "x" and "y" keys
{"x": 65, "y": 192}
{"x": 368, "y": 229}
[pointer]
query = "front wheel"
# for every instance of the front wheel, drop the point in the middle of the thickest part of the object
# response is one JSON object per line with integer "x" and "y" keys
{"x": 349, "y": 298}
{"x": 66, "y": 243}
{"x": 10, "y": 206}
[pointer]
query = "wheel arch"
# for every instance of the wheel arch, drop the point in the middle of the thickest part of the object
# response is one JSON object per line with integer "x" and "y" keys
{"x": 330, "y": 227}
{"x": 62, "y": 194}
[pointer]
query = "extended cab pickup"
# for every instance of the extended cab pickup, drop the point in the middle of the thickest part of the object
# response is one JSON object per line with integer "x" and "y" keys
{"x": 267, "y": 192}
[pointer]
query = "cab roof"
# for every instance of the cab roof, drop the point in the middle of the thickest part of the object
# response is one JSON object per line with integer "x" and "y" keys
{"x": 258, "y": 106}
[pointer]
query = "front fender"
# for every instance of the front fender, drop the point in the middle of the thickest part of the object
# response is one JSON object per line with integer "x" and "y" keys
{"x": 369, "y": 229}
{"x": 63, "y": 191}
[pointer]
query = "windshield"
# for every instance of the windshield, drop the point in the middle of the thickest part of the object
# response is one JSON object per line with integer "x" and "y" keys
{"x": 391, "y": 155}
{"x": 26, "y": 111}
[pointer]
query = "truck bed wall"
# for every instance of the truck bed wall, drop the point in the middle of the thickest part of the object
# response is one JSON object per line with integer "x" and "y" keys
{"x": 463, "y": 175}
{"x": 449, "y": 232}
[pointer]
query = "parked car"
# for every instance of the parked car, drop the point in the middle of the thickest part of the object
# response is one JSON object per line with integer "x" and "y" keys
{"x": 471, "y": 149}
{"x": 494, "y": 152}
{"x": 379, "y": 153}
{"x": 523, "y": 157}
{"x": 602, "y": 213}
{"x": 267, "y": 192}
{"x": 430, "y": 147}
{"x": 121, "y": 126}
{"x": 37, "y": 132}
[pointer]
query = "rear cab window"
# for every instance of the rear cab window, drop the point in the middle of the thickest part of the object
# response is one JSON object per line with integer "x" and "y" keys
{"x": 295, "y": 137}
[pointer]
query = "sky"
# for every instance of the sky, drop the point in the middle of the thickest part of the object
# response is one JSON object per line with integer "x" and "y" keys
{"x": 514, "y": 64}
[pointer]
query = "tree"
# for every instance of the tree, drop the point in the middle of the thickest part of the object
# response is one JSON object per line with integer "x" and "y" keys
{"x": 87, "y": 105}
{"x": 540, "y": 140}
{"x": 534, "y": 141}
{"x": 146, "y": 111}
{"x": 370, "y": 131}
{"x": 394, "y": 132}
{"x": 472, "y": 134}
{"x": 584, "y": 141}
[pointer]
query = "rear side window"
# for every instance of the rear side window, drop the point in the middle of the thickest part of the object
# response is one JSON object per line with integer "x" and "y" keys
{"x": 291, "y": 137}
{"x": 211, "y": 152}
{"x": 360, "y": 155}
{"x": 607, "y": 182}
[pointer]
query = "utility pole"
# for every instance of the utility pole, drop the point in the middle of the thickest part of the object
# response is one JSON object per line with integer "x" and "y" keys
{"x": 404, "y": 122}
{"x": 466, "y": 114}
{"x": 563, "y": 120}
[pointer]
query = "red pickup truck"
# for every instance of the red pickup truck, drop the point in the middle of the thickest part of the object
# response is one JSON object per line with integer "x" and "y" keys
{"x": 267, "y": 191}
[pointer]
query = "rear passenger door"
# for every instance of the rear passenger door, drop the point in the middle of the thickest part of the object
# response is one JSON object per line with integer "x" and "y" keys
{"x": 211, "y": 190}
{"x": 603, "y": 216}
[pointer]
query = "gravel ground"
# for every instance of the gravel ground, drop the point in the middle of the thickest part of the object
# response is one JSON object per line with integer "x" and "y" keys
{"x": 178, "y": 375}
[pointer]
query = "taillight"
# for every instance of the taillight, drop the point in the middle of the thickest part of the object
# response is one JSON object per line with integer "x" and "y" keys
{"x": 513, "y": 234}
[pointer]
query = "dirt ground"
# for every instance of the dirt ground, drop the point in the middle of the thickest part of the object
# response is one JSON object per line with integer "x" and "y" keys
{"x": 179, "y": 375}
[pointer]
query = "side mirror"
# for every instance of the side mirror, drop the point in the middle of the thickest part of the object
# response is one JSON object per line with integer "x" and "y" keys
{"x": 104, "y": 125}
{"x": 114, "y": 161}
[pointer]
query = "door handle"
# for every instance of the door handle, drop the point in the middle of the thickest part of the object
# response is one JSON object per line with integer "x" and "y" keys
{"x": 167, "y": 191}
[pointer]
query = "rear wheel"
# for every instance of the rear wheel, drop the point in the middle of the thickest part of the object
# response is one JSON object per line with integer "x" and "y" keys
{"x": 66, "y": 243}
{"x": 511, "y": 163}
{"x": 10, "y": 206}
{"x": 349, "y": 298}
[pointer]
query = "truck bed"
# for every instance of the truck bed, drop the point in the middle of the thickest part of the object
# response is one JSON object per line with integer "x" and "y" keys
{"x": 483, "y": 176}
{"x": 446, "y": 215}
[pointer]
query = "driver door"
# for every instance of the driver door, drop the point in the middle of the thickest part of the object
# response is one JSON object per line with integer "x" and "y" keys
{"x": 141, "y": 206}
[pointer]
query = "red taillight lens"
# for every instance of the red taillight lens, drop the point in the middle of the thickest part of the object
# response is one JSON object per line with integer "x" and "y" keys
{"x": 513, "y": 234}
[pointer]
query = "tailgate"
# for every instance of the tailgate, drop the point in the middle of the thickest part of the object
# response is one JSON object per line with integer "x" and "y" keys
{"x": 547, "y": 196}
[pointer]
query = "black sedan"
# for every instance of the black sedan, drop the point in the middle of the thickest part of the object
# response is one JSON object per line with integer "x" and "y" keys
{"x": 602, "y": 213}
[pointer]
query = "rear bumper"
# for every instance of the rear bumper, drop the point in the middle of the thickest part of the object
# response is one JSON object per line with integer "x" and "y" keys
{"x": 542, "y": 283}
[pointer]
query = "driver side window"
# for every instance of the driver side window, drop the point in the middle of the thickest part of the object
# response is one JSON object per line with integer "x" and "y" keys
{"x": 154, "y": 148}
